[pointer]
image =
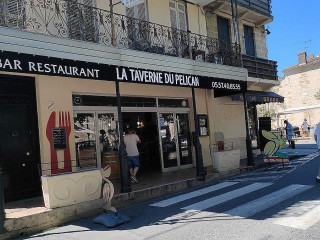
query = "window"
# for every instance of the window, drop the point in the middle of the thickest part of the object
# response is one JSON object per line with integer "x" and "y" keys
{"x": 137, "y": 27}
{"x": 13, "y": 13}
{"x": 179, "y": 29}
{"x": 249, "y": 40}
{"x": 82, "y": 20}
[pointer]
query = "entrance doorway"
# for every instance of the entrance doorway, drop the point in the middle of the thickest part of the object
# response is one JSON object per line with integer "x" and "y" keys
{"x": 145, "y": 125}
{"x": 19, "y": 143}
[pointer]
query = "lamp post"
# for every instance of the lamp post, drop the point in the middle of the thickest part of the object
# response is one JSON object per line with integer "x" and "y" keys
{"x": 2, "y": 213}
{"x": 250, "y": 161}
{"x": 199, "y": 160}
{"x": 125, "y": 182}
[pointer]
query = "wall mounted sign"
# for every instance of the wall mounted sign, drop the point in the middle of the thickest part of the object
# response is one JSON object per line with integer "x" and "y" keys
{"x": 59, "y": 137}
{"x": 203, "y": 125}
{"x": 33, "y": 64}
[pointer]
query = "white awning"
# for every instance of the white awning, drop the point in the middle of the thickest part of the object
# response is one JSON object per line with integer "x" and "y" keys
{"x": 296, "y": 110}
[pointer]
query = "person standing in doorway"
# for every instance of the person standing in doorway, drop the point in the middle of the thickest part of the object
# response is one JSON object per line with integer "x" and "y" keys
{"x": 131, "y": 140}
{"x": 289, "y": 132}
{"x": 304, "y": 127}
{"x": 317, "y": 139}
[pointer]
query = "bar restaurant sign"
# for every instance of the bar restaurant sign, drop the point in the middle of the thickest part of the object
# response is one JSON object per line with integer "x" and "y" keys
{"x": 33, "y": 64}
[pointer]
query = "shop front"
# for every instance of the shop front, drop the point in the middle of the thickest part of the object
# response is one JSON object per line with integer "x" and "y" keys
{"x": 76, "y": 121}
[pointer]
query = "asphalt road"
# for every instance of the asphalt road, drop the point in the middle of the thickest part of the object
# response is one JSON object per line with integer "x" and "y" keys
{"x": 281, "y": 203}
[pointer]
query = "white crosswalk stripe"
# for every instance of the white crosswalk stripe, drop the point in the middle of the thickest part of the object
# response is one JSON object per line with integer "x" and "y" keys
{"x": 267, "y": 201}
{"x": 302, "y": 215}
{"x": 193, "y": 194}
{"x": 211, "y": 202}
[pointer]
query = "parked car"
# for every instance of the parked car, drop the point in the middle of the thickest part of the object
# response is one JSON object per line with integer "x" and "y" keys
{"x": 296, "y": 131}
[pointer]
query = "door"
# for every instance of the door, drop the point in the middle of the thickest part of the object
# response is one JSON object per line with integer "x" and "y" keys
{"x": 184, "y": 142}
{"x": 223, "y": 29}
{"x": 168, "y": 140}
{"x": 85, "y": 139}
{"x": 249, "y": 40}
{"x": 179, "y": 34}
{"x": 82, "y": 19}
{"x": 138, "y": 27}
{"x": 19, "y": 154}
{"x": 108, "y": 147}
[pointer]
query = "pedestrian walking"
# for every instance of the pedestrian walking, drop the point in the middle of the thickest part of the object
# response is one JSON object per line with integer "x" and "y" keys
{"x": 317, "y": 139}
{"x": 131, "y": 140}
{"x": 289, "y": 133}
{"x": 305, "y": 128}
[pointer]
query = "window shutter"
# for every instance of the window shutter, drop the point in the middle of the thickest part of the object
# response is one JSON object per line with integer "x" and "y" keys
{"x": 15, "y": 13}
{"x": 173, "y": 18}
{"x": 142, "y": 11}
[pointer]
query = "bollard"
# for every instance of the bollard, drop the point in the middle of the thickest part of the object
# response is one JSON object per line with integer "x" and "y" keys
{"x": 2, "y": 213}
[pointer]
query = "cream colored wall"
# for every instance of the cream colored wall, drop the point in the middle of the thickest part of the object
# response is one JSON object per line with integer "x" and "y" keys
{"x": 228, "y": 118}
{"x": 59, "y": 91}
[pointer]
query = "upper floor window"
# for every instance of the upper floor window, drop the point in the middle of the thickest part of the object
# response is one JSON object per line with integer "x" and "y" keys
{"x": 82, "y": 20}
{"x": 178, "y": 15}
{"x": 13, "y": 13}
{"x": 139, "y": 12}
{"x": 249, "y": 40}
{"x": 223, "y": 29}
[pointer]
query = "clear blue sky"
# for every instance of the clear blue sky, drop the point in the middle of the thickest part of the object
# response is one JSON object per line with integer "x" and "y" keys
{"x": 295, "y": 21}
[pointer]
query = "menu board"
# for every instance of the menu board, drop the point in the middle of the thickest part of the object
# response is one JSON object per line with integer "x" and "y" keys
{"x": 59, "y": 137}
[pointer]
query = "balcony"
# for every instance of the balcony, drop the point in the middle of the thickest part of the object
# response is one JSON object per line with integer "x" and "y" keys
{"x": 260, "y": 68}
{"x": 255, "y": 11}
{"x": 71, "y": 20}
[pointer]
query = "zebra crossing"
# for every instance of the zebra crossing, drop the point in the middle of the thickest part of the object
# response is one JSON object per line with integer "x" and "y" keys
{"x": 270, "y": 195}
{"x": 275, "y": 172}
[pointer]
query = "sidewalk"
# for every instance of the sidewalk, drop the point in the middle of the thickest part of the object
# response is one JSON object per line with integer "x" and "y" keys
{"x": 30, "y": 215}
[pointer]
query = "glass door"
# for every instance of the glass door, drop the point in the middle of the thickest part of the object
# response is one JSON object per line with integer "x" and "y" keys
{"x": 168, "y": 140}
{"x": 85, "y": 140}
{"x": 184, "y": 140}
{"x": 108, "y": 147}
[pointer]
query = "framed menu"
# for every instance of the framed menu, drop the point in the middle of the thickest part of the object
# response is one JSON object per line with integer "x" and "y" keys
{"x": 203, "y": 125}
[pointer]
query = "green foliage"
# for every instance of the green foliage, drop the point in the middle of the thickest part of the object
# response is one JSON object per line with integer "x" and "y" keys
{"x": 266, "y": 111}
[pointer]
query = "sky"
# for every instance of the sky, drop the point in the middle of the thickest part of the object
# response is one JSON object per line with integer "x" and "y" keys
{"x": 295, "y": 22}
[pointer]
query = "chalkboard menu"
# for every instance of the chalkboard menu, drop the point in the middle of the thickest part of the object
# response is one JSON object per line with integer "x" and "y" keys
{"x": 59, "y": 138}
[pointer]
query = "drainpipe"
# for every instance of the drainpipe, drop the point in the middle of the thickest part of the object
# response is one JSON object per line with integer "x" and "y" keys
{"x": 248, "y": 138}
{"x": 199, "y": 160}
{"x": 2, "y": 213}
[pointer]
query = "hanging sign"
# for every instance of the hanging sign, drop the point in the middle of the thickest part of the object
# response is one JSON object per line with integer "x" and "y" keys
{"x": 131, "y": 3}
{"x": 33, "y": 64}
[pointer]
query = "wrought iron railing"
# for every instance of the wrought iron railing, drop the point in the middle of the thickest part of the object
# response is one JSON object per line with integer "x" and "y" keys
{"x": 69, "y": 19}
{"x": 260, "y": 68}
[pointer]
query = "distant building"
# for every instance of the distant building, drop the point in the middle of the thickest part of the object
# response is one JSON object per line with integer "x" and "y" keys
{"x": 299, "y": 86}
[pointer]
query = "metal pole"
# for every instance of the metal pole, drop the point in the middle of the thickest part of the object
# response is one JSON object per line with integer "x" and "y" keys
{"x": 199, "y": 160}
{"x": 2, "y": 213}
{"x": 125, "y": 182}
{"x": 248, "y": 138}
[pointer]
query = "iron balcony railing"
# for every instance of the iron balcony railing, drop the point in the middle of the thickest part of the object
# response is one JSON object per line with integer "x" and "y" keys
{"x": 71, "y": 20}
{"x": 260, "y": 68}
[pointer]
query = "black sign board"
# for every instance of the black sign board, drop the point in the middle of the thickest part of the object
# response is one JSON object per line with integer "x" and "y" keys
{"x": 34, "y": 64}
{"x": 59, "y": 137}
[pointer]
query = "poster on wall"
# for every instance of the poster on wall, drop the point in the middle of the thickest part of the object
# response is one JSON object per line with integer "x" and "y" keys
{"x": 203, "y": 125}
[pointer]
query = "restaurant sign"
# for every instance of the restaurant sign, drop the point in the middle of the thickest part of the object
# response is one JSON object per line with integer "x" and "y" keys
{"x": 33, "y": 64}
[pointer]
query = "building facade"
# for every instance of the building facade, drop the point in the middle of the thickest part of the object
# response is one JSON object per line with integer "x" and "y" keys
{"x": 66, "y": 66}
{"x": 300, "y": 86}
